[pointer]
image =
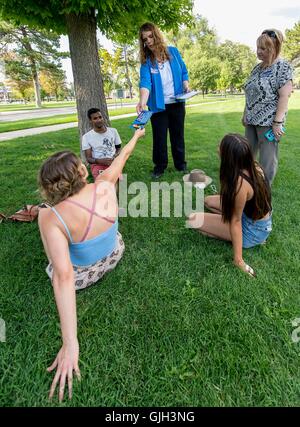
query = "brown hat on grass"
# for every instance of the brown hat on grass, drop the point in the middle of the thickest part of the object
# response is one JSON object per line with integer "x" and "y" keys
{"x": 198, "y": 178}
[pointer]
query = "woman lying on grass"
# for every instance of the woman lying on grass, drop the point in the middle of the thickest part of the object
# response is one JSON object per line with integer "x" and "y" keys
{"x": 242, "y": 213}
{"x": 81, "y": 240}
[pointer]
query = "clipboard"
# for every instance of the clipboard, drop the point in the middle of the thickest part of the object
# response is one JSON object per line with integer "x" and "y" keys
{"x": 186, "y": 95}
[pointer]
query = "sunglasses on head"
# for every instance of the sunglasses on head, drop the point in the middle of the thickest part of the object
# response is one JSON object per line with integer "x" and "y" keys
{"x": 270, "y": 34}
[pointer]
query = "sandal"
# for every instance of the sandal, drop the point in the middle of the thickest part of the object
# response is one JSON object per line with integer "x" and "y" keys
{"x": 28, "y": 214}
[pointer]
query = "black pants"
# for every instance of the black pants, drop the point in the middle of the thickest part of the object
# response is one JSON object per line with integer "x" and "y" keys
{"x": 171, "y": 118}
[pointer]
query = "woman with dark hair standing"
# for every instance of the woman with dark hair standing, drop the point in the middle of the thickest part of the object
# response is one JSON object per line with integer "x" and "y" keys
{"x": 267, "y": 92}
{"x": 163, "y": 75}
{"x": 242, "y": 213}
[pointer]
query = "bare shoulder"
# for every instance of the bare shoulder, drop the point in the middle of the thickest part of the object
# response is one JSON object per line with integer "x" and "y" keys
{"x": 242, "y": 185}
{"x": 244, "y": 190}
{"x": 45, "y": 216}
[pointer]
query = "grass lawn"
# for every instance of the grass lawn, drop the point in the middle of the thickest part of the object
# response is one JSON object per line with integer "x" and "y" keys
{"x": 68, "y": 118}
{"x": 58, "y": 104}
{"x": 53, "y": 120}
{"x": 175, "y": 324}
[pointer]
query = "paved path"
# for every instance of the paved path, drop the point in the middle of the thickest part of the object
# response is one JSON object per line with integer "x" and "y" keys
{"x": 4, "y": 136}
{"x": 11, "y": 116}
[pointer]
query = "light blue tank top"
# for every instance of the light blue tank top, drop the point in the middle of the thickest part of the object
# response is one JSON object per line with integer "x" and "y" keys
{"x": 92, "y": 250}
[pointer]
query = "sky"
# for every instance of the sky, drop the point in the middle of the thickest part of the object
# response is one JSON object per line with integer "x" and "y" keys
{"x": 235, "y": 20}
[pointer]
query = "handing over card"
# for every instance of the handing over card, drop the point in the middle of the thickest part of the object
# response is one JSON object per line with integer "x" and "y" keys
{"x": 141, "y": 120}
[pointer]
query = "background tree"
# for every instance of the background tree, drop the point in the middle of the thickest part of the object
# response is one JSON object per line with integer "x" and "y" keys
{"x": 34, "y": 48}
{"x": 18, "y": 77}
{"x": 126, "y": 60}
{"x": 204, "y": 73}
{"x": 53, "y": 81}
{"x": 197, "y": 36}
{"x": 291, "y": 50}
{"x": 238, "y": 60}
{"x": 226, "y": 77}
{"x": 119, "y": 20}
{"x": 291, "y": 46}
{"x": 106, "y": 59}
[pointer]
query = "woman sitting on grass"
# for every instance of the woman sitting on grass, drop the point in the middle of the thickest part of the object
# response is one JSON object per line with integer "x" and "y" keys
{"x": 81, "y": 240}
{"x": 242, "y": 212}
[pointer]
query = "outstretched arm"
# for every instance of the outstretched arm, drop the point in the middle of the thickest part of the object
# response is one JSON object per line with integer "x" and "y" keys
{"x": 112, "y": 173}
{"x": 56, "y": 247}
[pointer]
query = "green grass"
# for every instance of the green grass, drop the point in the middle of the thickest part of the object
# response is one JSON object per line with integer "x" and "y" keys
{"x": 31, "y": 105}
{"x": 175, "y": 324}
{"x": 68, "y": 118}
{"x": 53, "y": 120}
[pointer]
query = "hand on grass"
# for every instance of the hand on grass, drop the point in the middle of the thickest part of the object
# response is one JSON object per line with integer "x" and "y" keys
{"x": 245, "y": 268}
{"x": 65, "y": 363}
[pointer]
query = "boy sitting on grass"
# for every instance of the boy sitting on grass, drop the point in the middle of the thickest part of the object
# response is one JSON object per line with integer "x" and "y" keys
{"x": 101, "y": 144}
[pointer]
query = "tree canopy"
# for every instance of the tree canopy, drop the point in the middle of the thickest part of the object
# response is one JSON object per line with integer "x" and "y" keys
{"x": 117, "y": 19}
{"x": 291, "y": 47}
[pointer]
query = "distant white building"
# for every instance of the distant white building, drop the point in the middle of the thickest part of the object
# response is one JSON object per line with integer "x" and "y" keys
{"x": 4, "y": 89}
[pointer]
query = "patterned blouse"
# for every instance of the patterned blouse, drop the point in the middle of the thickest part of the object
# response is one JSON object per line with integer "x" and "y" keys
{"x": 261, "y": 90}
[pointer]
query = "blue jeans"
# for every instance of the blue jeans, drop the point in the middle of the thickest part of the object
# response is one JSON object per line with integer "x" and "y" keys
{"x": 255, "y": 232}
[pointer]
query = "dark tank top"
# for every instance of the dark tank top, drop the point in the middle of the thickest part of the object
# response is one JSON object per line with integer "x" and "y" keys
{"x": 249, "y": 208}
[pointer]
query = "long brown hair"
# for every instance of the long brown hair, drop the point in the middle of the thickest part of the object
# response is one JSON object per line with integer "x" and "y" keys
{"x": 236, "y": 156}
{"x": 60, "y": 177}
{"x": 160, "y": 47}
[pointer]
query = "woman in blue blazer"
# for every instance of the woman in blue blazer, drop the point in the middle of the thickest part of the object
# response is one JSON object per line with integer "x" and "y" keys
{"x": 163, "y": 75}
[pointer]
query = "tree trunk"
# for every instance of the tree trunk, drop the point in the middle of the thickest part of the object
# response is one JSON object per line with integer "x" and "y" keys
{"x": 37, "y": 88}
{"x": 88, "y": 83}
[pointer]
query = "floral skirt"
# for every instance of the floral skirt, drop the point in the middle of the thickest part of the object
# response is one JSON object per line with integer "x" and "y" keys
{"x": 87, "y": 275}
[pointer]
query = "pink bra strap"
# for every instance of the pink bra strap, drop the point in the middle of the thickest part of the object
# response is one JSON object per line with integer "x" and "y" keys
{"x": 91, "y": 211}
{"x": 91, "y": 216}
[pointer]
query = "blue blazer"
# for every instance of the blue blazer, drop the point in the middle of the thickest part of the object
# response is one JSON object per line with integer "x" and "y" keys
{"x": 150, "y": 79}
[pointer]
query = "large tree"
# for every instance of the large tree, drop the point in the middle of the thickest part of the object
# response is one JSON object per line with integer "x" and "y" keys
{"x": 34, "y": 49}
{"x": 198, "y": 36}
{"x": 126, "y": 60}
{"x": 237, "y": 62}
{"x": 291, "y": 50}
{"x": 117, "y": 19}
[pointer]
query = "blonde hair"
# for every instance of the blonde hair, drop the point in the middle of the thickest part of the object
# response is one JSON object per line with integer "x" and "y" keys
{"x": 60, "y": 178}
{"x": 161, "y": 50}
{"x": 271, "y": 40}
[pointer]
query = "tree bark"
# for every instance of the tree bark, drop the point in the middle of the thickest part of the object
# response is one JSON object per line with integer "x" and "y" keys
{"x": 37, "y": 88}
{"x": 88, "y": 83}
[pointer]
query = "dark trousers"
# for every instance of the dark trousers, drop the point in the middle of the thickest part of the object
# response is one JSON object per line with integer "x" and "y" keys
{"x": 171, "y": 118}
